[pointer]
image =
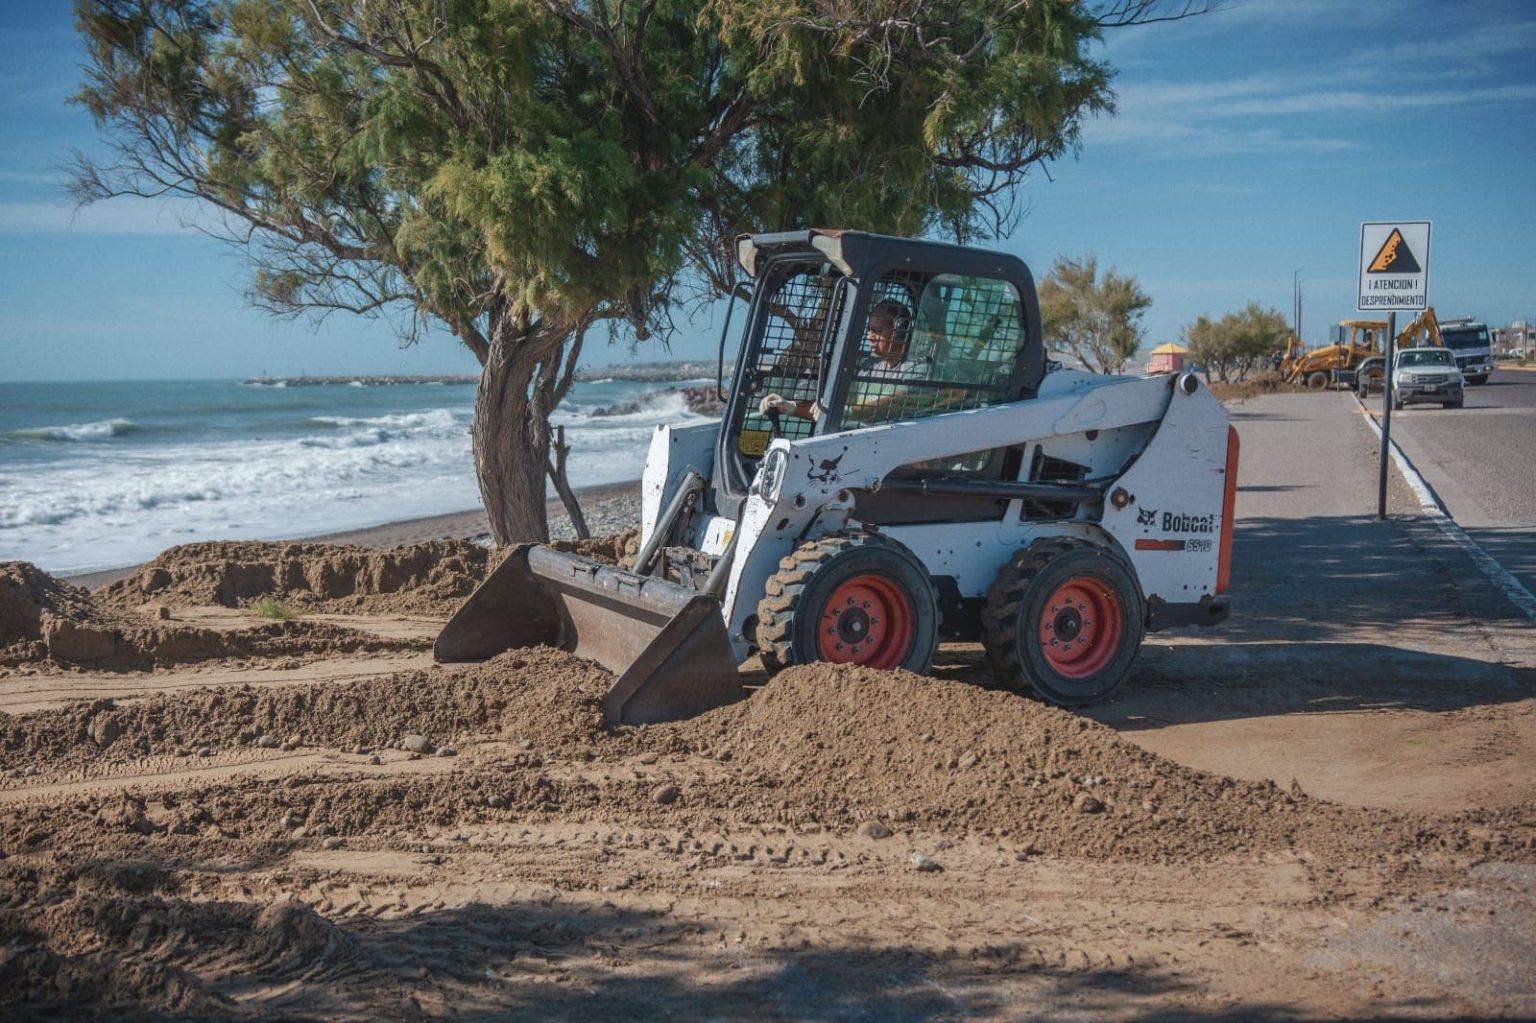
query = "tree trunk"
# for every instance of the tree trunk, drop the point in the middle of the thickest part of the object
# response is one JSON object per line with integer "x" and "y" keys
{"x": 510, "y": 436}
{"x": 563, "y": 486}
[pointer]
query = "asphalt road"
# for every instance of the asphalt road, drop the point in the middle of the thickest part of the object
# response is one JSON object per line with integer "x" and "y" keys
{"x": 1481, "y": 462}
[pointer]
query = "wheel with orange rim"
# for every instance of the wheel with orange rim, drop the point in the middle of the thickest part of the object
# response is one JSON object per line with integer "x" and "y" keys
{"x": 1081, "y": 626}
{"x": 1064, "y": 621}
{"x": 849, "y": 598}
{"x": 867, "y": 619}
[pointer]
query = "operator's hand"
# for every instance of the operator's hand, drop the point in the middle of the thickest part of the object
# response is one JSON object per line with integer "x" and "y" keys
{"x": 776, "y": 403}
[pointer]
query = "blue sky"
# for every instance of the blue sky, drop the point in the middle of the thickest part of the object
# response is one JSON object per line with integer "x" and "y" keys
{"x": 1248, "y": 146}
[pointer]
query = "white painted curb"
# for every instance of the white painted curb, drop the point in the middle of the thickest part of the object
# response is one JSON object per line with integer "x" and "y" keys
{"x": 1431, "y": 506}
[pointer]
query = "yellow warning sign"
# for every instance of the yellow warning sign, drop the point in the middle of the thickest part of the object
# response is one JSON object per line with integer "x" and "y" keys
{"x": 1394, "y": 257}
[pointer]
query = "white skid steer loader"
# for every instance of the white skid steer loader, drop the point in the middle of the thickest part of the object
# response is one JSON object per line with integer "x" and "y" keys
{"x": 898, "y": 465}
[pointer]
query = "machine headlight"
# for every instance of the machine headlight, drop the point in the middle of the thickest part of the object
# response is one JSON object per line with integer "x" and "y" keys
{"x": 770, "y": 475}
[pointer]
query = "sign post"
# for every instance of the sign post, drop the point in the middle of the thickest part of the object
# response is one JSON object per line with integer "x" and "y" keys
{"x": 1394, "y": 275}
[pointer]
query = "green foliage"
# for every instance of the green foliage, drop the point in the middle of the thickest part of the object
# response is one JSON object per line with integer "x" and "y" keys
{"x": 521, "y": 169}
{"x": 573, "y": 160}
{"x": 1237, "y": 344}
{"x": 271, "y": 607}
{"x": 1096, "y": 319}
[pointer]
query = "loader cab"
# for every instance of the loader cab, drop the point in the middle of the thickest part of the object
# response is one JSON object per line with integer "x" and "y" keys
{"x": 967, "y": 331}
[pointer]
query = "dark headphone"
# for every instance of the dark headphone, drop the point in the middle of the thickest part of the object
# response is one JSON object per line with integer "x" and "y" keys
{"x": 899, "y": 315}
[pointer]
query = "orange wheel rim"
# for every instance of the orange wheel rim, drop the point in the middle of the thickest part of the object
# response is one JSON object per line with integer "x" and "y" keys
{"x": 867, "y": 620}
{"x": 1081, "y": 627}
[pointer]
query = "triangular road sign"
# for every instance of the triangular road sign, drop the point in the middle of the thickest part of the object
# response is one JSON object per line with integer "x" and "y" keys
{"x": 1394, "y": 257}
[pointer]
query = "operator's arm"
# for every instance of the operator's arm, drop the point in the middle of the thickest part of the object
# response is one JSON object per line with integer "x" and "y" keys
{"x": 804, "y": 409}
{"x": 909, "y": 404}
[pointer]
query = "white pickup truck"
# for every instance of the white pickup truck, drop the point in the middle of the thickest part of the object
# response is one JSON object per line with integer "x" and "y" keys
{"x": 1425, "y": 376}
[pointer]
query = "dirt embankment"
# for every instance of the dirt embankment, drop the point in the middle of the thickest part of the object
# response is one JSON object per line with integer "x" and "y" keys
{"x": 1268, "y": 382}
{"x": 430, "y": 578}
{"x": 127, "y": 625}
{"x": 836, "y": 747}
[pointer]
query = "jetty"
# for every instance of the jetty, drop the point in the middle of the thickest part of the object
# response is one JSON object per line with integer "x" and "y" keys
{"x": 358, "y": 381}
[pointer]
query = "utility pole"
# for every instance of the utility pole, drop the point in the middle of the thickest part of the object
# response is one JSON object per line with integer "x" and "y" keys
{"x": 1296, "y": 304}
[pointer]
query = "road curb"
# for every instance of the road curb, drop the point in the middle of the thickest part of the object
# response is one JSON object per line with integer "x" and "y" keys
{"x": 1430, "y": 505}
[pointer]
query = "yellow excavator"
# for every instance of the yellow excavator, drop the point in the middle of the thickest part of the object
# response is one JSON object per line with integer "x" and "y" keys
{"x": 1358, "y": 355}
{"x": 1423, "y": 331}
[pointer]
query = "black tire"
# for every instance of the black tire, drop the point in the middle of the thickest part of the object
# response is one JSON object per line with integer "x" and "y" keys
{"x": 765, "y": 655}
{"x": 892, "y": 618}
{"x": 1451, "y": 404}
{"x": 1477, "y": 381}
{"x": 1019, "y": 611}
{"x": 1397, "y": 405}
{"x": 1317, "y": 380}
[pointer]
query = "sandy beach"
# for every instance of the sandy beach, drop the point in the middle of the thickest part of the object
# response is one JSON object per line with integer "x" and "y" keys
{"x": 236, "y": 785}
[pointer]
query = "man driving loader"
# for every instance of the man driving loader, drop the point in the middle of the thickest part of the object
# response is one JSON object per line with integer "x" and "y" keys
{"x": 888, "y": 338}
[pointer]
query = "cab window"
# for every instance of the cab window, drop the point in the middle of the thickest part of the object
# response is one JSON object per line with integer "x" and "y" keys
{"x": 933, "y": 343}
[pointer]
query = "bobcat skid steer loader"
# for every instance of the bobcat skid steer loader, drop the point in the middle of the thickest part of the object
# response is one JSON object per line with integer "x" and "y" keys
{"x": 897, "y": 466}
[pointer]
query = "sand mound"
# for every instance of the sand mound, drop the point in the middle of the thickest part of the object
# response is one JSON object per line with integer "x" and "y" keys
{"x": 44, "y": 620}
{"x": 545, "y": 697}
{"x": 844, "y": 745}
{"x": 42, "y": 617}
{"x": 852, "y": 744}
{"x": 1268, "y": 382}
{"x": 620, "y": 548}
{"x": 429, "y": 578}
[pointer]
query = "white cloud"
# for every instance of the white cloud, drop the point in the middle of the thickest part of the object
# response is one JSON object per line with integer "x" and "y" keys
{"x": 1459, "y": 68}
{"x": 1177, "y": 137}
{"x": 1366, "y": 101}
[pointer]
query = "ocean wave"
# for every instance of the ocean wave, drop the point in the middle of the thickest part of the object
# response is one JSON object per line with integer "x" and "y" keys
{"x": 77, "y": 433}
{"x": 95, "y": 505}
{"x": 661, "y": 406}
{"x": 431, "y": 419}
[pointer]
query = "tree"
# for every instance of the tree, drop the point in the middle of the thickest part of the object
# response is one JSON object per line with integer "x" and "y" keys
{"x": 1237, "y": 344}
{"x": 522, "y": 170}
{"x": 1097, "y": 320}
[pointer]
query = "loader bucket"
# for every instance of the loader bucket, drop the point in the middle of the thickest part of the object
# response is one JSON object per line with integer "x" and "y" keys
{"x": 667, "y": 644}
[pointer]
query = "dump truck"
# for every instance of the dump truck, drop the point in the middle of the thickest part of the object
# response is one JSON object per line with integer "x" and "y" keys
{"x": 896, "y": 467}
{"x": 1469, "y": 339}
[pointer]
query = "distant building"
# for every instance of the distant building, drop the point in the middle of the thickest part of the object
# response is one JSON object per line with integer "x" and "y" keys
{"x": 1518, "y": 336}
{"x": 1168, "y": 358}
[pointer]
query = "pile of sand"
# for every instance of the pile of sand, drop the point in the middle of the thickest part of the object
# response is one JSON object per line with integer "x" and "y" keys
{"x": 1267, "y": 382}
{"x": 832, "y": 747}
{"x": 546, "y": 697}
{"x": 44, "y": 621}
{"x": 620, "y": 548}
{"x": 41, "y": 617}
{"x": 428, "y": 578}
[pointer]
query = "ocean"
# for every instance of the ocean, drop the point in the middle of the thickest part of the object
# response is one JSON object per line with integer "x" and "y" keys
{"x": 102, "y": 475}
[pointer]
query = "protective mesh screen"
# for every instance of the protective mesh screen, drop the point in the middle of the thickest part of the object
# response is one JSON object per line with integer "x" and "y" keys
{"x": 934, "y": 344}
{"x": 804, "y": 299}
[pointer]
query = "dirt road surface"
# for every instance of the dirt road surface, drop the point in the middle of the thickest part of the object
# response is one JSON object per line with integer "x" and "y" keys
{"x": 1322, "y": 809}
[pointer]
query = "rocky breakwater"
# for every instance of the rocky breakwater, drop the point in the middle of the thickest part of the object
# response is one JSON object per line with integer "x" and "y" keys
{"x": 703, "y": 401}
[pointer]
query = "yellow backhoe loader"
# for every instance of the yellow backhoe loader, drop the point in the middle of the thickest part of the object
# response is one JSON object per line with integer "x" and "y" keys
{"x": 1423, "y": 331}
